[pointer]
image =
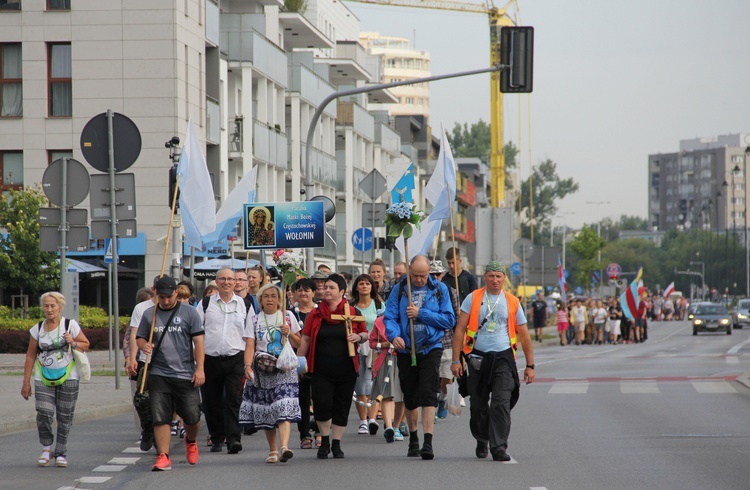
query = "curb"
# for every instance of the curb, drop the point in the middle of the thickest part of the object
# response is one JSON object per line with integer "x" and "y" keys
{"x": 83, "y": 415}
{"x": 744, "y": 378}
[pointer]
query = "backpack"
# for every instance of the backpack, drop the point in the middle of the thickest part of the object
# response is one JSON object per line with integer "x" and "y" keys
{"x": 39, "y": 332}
{"x": 248, "y": 304}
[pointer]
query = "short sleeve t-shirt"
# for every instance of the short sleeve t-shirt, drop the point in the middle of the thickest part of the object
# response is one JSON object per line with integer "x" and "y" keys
{"x": 55, "y": 353}
{"x": 174, "y": 357}
{"x": 495, "y": 309}
{"x": 266, "y": 330}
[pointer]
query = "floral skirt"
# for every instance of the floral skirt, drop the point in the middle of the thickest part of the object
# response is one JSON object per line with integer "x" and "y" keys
{"x": 275, "y": 400}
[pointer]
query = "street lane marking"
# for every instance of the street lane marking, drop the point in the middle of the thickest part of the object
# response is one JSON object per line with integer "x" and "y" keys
{"x": 110, "y": 468}
{"x": 733, "y": 360}
{"x": 569, "y": 388}
{"x": 134, "y": 450}
{"x": 94, "y": 479}
{"x": 123, "y": 461}
{"x": 736, "y": 348}
{"x": 537, "y": 488}
{"x": 713, "y": 387}
{"x": 639, "y": 387}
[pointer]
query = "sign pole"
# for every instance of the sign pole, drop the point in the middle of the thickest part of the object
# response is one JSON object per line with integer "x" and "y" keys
{"x": 64, "y": 283}
{"x": 109, "y": 305}
{"x": 113, "y": 223}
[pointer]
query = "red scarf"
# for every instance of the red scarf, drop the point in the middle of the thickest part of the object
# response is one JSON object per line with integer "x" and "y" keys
{"x": 314, "y": 321}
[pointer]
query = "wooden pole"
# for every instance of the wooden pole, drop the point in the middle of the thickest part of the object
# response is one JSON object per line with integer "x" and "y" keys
{"x": 453, "y": 238}
{"x": 163, "y": 266}
{"x": 408, "y": 292}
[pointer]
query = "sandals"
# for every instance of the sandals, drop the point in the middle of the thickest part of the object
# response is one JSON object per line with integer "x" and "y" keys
{"x": 44, "y": 458}
{"x": 306, "y": 443}
{"x": 318, "y": 441}
{"x": 61, "y": 462}
{"x": 273, "y": 457}
{"x": 286, "y": 454}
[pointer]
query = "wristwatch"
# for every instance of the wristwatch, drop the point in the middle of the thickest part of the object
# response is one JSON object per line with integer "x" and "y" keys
{"x": 530, "y": 366}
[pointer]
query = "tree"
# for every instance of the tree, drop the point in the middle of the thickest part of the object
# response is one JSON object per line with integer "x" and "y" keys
{"x": 586, "y": 246}
{"x": 23, "y": 266}
{"x": 476, "y": 142}
{"x": 547, "y": 188}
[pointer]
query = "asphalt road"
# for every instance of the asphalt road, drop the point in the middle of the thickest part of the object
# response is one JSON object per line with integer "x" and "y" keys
{"x": 666, "y": 414}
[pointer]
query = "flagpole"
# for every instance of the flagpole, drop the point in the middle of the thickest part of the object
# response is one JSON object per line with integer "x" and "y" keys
{"x": 408, "y": 292}
{"x": 453, "y": 239}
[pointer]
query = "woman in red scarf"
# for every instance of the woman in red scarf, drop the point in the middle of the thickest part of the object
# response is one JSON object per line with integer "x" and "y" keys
{"x": 334, "y": 373}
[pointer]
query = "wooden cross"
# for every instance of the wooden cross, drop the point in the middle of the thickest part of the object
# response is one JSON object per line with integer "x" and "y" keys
{"x": 349, "y": 318}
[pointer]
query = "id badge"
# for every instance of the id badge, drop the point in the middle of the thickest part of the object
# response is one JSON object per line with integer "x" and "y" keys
{"x": 491, "y": 326}
{"x": 59, "y": 356}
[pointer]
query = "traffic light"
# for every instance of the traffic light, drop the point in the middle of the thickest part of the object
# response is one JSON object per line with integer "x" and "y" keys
{"x": 172, "y": 185}
{"x": 517, "y": 52}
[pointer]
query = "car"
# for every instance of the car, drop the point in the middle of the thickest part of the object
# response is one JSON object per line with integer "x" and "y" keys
{"x": 742, "y": 313}
{"x": 711, "y": 317}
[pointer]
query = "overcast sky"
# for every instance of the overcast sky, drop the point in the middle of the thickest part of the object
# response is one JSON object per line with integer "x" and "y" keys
{"x": 614, "y": 82}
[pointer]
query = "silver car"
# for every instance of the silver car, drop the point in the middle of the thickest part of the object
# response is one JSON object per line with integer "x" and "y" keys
{"x": 711, "y": 317}
{"x": 742, "y": 314}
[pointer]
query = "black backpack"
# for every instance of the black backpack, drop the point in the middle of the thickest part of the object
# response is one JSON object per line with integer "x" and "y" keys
{"x": 247, "y": 299}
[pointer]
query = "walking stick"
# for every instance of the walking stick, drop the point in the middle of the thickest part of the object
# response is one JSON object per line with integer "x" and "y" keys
{"x": 408, "y": 292}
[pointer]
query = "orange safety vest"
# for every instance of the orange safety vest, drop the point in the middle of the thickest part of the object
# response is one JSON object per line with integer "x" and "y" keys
{"x": 473, "y": 327}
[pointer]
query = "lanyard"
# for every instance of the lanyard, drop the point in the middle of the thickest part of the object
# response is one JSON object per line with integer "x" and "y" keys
{"x": 491, "y": 308}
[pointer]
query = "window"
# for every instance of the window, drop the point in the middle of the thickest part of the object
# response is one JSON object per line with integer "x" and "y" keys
{"x": 11, "y": 166}
{"x": 58, "y": 4}
{"x": 11, "y": 88}
{"x": 60, "y": 80}
{"x": 10, "y": 4}
{"x": 53, "y": 155}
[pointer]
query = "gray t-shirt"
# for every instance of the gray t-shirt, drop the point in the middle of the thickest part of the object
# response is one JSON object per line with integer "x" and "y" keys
{"x": 174, "y": 358}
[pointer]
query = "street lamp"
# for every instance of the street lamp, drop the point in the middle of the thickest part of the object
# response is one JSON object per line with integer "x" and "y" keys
{"x": 598, "y": 221}
{"x": 703, "y": 280}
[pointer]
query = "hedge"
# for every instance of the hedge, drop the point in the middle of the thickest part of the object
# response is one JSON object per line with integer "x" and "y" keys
{"x": 17, "y": 341}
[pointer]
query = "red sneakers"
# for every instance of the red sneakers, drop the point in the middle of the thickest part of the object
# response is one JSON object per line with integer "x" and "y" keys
{"x": 163, "y": 463}
{"x": 191, "y": 451}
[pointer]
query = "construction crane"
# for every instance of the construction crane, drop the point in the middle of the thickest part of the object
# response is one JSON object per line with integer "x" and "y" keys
{"x": 498, "y": 18}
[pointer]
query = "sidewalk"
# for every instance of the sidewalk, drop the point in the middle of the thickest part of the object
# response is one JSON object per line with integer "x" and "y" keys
{"x": 96, "y": 399}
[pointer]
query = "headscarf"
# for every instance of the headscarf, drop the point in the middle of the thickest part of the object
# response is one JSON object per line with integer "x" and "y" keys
{"x": 495, "y": 266}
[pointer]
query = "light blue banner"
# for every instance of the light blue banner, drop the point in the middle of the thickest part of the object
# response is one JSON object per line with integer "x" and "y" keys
{"x": 284, "y": 225}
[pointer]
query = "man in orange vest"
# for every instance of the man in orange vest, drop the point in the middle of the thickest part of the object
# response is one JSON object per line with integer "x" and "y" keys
{"x": 489, "y": 325}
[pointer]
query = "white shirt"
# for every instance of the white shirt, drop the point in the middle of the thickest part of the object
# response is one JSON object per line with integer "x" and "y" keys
{"x": 224, "y": 324}
{"x": 135, "y": 320}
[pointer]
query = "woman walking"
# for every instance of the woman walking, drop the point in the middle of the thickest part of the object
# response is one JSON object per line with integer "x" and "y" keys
{"x": 325, "y": 342}
{"x": 56, "y": 379}
{"x": 271, "y": 396}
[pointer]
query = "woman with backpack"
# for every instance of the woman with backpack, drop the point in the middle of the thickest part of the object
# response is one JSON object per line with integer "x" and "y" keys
{"x": 56, "y": 379}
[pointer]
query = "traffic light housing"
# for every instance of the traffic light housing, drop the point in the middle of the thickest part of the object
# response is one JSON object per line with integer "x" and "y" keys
{"x": 172, "y": 185}
{"x": 517, "y": 53}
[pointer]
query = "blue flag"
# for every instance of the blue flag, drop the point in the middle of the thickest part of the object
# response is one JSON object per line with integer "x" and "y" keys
{"x": 402, "y": 190}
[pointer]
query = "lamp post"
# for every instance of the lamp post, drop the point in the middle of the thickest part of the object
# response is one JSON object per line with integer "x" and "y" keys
{"x": 703, "y": 279}
{"x": 747, "y": 245}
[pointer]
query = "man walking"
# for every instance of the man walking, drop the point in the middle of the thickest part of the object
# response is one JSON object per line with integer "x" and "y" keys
{"x": 223, "y": 316}
{"x": 489, "y": 326}
{"x": 430, "y": 311}
{"x": 242, "y": 289}
{"x": 175, "y": 371}
{"x": 539, "y": 313}
{"x": 467, "y": 282}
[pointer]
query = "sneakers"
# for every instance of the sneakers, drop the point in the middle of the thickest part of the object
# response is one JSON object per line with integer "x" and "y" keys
{"x": 174, "y": 428}
{"x": 413, "y": 451}
{"x": 191, "y": 451}
{"x": 404, "y": 429}
{"x": 373, "y": 427}
{"x": 163, "y": 463}
{"x": 147, "y": 440}
{"x": 442, "y": 412}
{"x": 182, "y": 432}
{"x": 363, "y": 428}
{"x": 397, "y": 435}
{"x": 389, "y": 433}
{"x": 426, "y": 452}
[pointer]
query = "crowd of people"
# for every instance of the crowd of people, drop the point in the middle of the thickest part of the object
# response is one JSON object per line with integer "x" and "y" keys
{"x": 252, "y": 355}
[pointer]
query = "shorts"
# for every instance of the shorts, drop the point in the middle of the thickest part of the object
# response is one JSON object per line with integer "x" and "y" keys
{"x": 538, "y": 323}
{"x": 420, "y": 383}
{"x": 580, "y": 327}
{"x": 562, "y": 327}
{"x": 445, "y": 364}
{"x": 169, "y": 395}
{"x": 363, "y": 386}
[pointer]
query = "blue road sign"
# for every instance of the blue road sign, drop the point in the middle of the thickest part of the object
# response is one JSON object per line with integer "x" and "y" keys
{"x": 362, "y": 239}
{"x": 108, "y": 253}
{"x": 515, "y": 268}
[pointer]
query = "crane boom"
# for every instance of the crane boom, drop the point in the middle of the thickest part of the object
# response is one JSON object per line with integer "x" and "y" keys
{"x": 497, "y": 18}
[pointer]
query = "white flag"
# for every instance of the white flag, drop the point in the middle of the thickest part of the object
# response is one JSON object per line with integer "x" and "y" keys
{"x": 441, "y": 188}
{"x": 231, "y": 209}
{"x": 421, "y": 241}
{"x": 197, "y": 204}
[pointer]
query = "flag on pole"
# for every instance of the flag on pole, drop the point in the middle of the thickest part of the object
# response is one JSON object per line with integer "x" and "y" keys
{"x": 631, "y": 298}
{"x": 231, "y": 209}
{"x": 197, "y": 204}
{"x": 561, "y": 280}
{"x": 441, "y": 188}
{"x": 421, "y": 241}
{"x": 404, "y": 184}
{"x": 669, "y": 290}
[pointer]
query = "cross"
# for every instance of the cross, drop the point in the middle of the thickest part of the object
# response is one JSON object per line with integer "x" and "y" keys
{"x": 349, "y": 318}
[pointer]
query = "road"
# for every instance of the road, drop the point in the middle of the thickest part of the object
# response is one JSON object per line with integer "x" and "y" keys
{"x": 666, "y": 414}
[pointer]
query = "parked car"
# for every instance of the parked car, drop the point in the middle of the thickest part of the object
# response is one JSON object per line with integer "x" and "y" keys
{"x": 711, "y": 317}
{"x": 742, "y": 313}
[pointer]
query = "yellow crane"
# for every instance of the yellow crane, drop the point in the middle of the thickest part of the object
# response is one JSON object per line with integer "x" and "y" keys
{"x": 498, "y": 18}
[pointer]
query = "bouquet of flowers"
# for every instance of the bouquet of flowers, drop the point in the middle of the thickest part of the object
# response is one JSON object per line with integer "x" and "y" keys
{"x": 289, "y": 263}
{"x": 400, "y": 219}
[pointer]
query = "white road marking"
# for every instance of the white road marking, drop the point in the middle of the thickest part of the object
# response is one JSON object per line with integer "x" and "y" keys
{"x": 134, "y": 450}
{"x": 123, "y": 461}
{"x": 713, "y": 387}
{"x": 639, "y": 387}
{"x": 94, "y": 479}
{"x": 110, "y": 468}
{"x": 71, "y": 488}
{"x": 569, "y": 388}
{"x": 537, "y": 488}
{"x": 739, "y": 346}
{"x": 733, "y": 360}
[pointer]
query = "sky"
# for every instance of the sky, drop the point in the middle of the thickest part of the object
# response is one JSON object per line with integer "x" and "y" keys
{"x": 614, "y": 82}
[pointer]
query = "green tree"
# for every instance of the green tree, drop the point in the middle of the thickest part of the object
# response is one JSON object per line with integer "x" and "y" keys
{"x": 586, "y": 245}
{"x": 546, "y": 188}
{"x": 23, "y": 266}
{"x": 299, "y": 6}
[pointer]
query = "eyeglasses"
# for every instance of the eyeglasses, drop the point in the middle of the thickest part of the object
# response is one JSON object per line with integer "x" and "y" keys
{"x": 225, "y": 279}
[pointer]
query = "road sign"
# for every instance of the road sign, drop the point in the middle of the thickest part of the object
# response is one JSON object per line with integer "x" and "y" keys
{"x": 374, "y": 184}
{"x": 329, "y": 209}
{"x": 523, "y": 247}
{"x": 126, "y": 228}
{"x": 374, "y": 216}
{"x": 109, "y": 255}
{"x": 362, "y": 239}
{"x": 77, "y": 178}
{"x": 515, "y": 268}
{"x": 53, "y": 217}
{"x": 76, "y": 238}
{"x": 596, "y": 277}
{"x": 126, "y": 140}
{"x": 614, "y": 270}
{"x": 100, "y": 196}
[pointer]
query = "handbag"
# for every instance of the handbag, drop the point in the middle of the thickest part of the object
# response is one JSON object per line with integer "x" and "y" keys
{"x": 53, "y": 377}
{"x": 264, "y": 363}
{"x": 83, "y": 365}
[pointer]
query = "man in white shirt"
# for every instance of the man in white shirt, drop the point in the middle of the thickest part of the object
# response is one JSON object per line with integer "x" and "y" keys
{"x": 223, "y": 316}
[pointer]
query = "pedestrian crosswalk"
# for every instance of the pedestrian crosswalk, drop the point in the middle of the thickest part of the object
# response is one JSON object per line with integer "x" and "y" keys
{"x": 638, "y": 387}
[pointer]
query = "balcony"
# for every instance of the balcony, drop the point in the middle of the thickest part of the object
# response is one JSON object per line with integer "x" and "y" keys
{"x": 301, "y": 33}
{"x": 235, "y": 137}
{"x": 323, "y": 166}
{"x": 347, "y": 67}
{"x": 243, "y": 44}
{"x": 269, "y": 145}
{"x": 312, "y": 88}
{"x": 213, "y": 121}
{"x": 212, "y": 22}
{"x": 389, "y": 139}
{"x": 351, "y": 114}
